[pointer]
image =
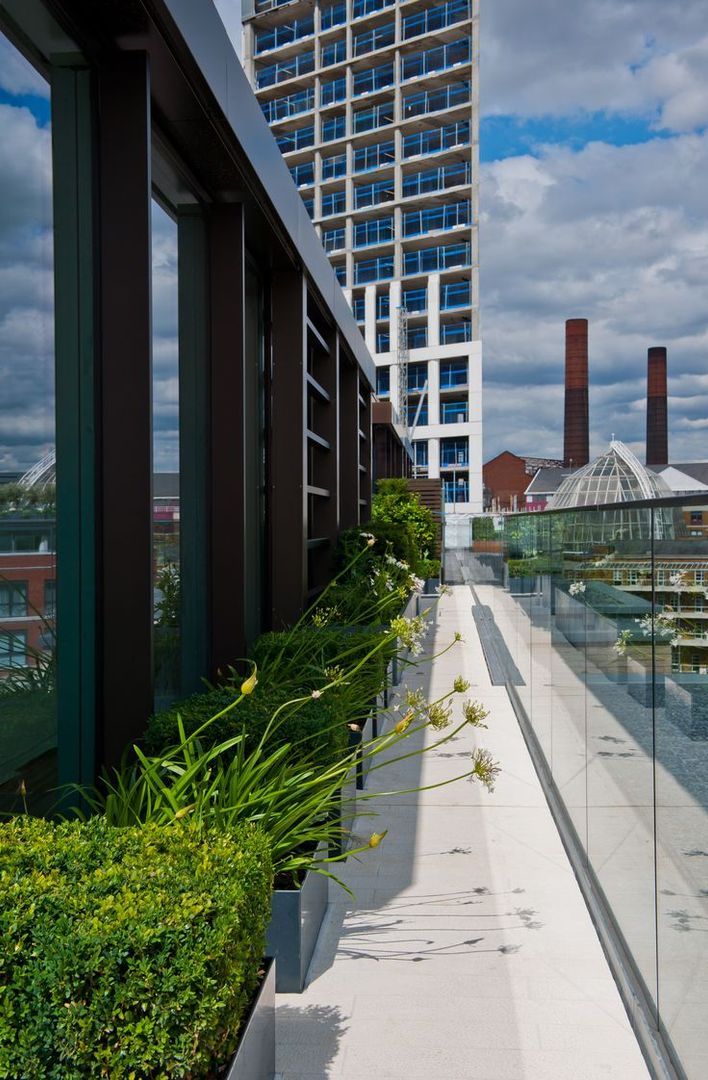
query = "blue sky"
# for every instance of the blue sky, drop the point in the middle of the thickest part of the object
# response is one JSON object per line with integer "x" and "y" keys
{"x": 593, "y": 204}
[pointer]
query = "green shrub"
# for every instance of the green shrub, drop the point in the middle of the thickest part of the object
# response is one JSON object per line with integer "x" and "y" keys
{"x": 389, "y": 539}
{"x": 395, "y": 504}
{"x": 318, "y": 726}
{"x": 429, "y": 568}
{"x": 483, "y": 529}
{"x": 302, "y": 659}
{"x": 127, "y": 952}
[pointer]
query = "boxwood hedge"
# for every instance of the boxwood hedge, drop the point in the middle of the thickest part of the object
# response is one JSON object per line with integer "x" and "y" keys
{"x": 127, "y": 953}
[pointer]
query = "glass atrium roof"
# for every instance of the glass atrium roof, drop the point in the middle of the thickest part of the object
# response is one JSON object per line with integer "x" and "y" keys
{"x": 615, "y": 476}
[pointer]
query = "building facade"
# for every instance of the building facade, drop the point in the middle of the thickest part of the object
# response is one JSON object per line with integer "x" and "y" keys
{"x": 176, "y": 330}
{"x": 374, "y": 105}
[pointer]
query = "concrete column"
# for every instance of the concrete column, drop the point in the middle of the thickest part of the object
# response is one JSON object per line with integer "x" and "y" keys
{"x": 434, "y": 459}
{"x": 433, "y": 392}
{"x": 370, "y": 317}
{"x": 433, "y": 310}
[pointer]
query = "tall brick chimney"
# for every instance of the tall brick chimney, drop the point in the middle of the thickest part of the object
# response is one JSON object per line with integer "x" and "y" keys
{"x": 657, "y": 426}
{"x": 576, "y": 435}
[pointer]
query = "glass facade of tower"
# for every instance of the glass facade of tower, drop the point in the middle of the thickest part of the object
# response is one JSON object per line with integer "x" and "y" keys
{"x": 374, "y": 105}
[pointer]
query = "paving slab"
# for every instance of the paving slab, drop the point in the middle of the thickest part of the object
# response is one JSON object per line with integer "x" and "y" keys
{"x": 468, "y": 952}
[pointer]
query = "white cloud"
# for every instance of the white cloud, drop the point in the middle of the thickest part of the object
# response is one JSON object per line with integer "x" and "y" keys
{"x": 552, "y": 58}
{"x": 17, "y": 76}
{"x": 615, "y": 234}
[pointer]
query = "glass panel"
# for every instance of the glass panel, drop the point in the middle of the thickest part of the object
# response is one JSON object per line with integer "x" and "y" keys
{"x": 681, "y": 702}
{"x": 620, "y": 719}
{"x": 166, "y": 516}
{"x": 28, "y": 730}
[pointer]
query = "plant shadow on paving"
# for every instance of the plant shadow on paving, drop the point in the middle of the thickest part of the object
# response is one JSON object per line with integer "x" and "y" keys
{"x": 308, "y": 1038}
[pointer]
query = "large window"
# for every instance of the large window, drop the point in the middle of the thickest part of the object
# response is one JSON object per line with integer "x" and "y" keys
{"x": 13, "y": 649}
{"x": 332, "y": 91}
{"x": 359, "y": 308}
{"x": 373, "y": 194}
{"x": 428, "y": 260}
{"x": 303, "y": 174}
{"x": 420, "y": 453}
{"x": 430, "y": 101}
{"x": 435, "y": 218}
{"x": 380, "y": 269}
{"x": 333, "y": 53}
{"x": 28, "y": 725}
{"x": 454, "y": 332}
{"x": 383, "y": 381}
{"x": 333, "y": 15}
{"x": 366, "y": 7}
{"x": 333, "y": 240}
{"x": 374, "y": 156}
{"x": 334, "y": 166}
{"x": 378, "y": 231}
{"x": 296, "y": 140}
{"x": 277, "y": 36}
{"x": 438, "y": 59}
{"x": 334, "y": 127}
{"x": 300, "y": 64}
{"x": 453, "y": 412}
{"x": 281, "y": 108}
{"x": 373, "y": 79}
{"x": 374, "y": 117}
{"x": 370, "y": 40}
{"x": 165, "y": 448}
{"x": 13, "y": 599}
{"x": 415, "y": 301}
{"x": 454, "y": 452}
{"x": 334, "y": 202}
{"x": 454, "y": 294}
{"x": 453, "y": 373}
{"x": 417, "y": 376}
{"x": 446, "y": 176}
{"x": 436, "y": 139}
{"x": 435, "y": 18}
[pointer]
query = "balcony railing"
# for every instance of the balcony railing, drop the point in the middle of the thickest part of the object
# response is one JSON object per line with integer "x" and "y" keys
{"x": 611, "y": 689}
{"x": 285, "y": 34}
{"x": 292, "y": 105}
{"x": 430, "y": 260}
{"x": 430, "y": 101}
{"x": 437, "y": 139}
{"x": 435, "y": 18}
{"x": 441, "y": 58}
{"x": 301, "y": 64}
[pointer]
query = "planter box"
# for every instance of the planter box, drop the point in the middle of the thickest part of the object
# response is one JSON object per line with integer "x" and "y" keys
{"x": 295, "y": 921}
{"x": 255, "y": 1056}
{"x": 356, "y": 738}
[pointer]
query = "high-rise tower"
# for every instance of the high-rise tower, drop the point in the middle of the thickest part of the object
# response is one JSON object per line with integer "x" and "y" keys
{"x": 374, "y": 104}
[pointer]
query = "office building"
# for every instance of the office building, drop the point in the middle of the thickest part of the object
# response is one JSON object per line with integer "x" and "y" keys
{"x": 374, "y": 105}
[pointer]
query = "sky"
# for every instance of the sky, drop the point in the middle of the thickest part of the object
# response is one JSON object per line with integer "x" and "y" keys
{"x": 593, "y": 204}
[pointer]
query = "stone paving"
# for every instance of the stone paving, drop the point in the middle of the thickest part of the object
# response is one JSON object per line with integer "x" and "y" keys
{"x": 468, "y": 953}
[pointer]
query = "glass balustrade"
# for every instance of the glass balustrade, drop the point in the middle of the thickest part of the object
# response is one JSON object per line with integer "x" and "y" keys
{"x": 602, "y": 612}
{"x": 434, "y": 140}
{"x": 438, "y": 59}
{"x": 277, "y": 36}
{"x": 435, "y": 18}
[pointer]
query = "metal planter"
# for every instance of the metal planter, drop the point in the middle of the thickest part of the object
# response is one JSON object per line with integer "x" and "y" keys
{"x": 296, "y": 918}
{"x": 255, "y": 1056}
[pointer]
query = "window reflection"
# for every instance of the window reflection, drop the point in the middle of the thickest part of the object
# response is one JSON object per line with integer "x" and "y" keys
{"x": 166, "y": 502}
{"x": 27, "y": 432}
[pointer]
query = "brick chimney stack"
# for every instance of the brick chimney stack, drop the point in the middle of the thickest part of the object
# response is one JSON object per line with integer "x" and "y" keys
{"x": 576, "y": 436}
{"x": 657, "y": 425}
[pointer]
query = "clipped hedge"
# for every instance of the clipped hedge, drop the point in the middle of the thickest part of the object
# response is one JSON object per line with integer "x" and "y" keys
{"x": 317, "y": 726}
{"x": 127, "y": 953}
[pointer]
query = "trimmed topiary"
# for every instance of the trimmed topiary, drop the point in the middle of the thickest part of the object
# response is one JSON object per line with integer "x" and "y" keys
{"x": 127, "y": 952}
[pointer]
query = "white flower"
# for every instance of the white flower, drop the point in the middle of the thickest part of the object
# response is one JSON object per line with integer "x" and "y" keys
{"x": 577, "y": 588}
{"x": 316, "y": 693}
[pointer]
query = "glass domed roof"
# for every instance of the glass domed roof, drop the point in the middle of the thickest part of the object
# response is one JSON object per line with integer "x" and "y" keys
{"x": 615, "y": 476}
